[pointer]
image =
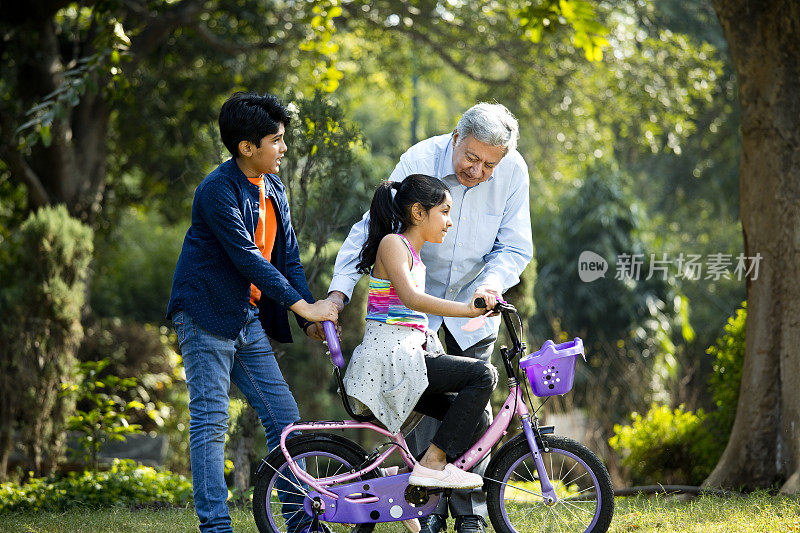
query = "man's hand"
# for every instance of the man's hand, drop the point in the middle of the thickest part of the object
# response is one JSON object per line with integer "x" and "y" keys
{"x": 315, "y": 331}
{"x": 338, "y": 298}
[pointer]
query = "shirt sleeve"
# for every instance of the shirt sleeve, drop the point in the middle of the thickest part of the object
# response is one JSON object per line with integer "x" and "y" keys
{"x": 345, "y": 275}
{"x": 513, "y": 247}
{"x": 219, "y": 209}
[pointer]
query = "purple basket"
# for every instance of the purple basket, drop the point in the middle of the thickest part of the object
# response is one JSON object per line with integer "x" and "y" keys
{"x": 551, "y": 370}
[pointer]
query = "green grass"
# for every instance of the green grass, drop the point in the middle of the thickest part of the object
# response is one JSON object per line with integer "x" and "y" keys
{"x": 760, "y": 513}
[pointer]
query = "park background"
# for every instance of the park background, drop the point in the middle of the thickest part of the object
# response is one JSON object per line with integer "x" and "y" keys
{"x": 631, "y": 124}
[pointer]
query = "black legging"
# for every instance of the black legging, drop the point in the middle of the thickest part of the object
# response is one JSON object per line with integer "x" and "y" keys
{"x": 458, "y": 391}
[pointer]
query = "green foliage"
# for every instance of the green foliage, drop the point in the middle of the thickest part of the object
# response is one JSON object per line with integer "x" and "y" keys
{"x": 125, "y": 484}
{"x": 538, "y": 17}
{"x": 680, "y": 446}
{"x": 101, "y": 416}
{"x": 326, "y": 159}
{"x": 667, "y": 446}
{"x": 87, "y": 73}
{"x": 41, "y": 295}
{"x": 728, "y": 353}
{"x": 133, "y": 266}
{"x": 321, "y": 21}
{"x": 148, "y": 353}
{"x": 628, "y": 322}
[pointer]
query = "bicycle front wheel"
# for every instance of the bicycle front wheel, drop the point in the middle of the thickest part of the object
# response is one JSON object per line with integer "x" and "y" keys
{"x": 278, "y": 495}
{"x": 581, "y": 481}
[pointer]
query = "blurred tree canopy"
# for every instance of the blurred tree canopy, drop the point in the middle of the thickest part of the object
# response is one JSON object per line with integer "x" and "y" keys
{"x": 629, "y": 124}
{"x": 90, "y": 88}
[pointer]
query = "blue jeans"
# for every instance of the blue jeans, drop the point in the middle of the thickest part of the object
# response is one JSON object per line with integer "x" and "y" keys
{"x": 212, "y": 363}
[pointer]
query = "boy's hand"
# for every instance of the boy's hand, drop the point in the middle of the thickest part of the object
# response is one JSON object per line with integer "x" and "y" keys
{"x": 316, "y": 312}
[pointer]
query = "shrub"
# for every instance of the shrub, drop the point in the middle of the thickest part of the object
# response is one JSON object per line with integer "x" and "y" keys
{"x": 142, "y": 350}
{"x": 41, "y": 296}
{"x": 728, "y": 353}
{"x": 147, "y": 352}
{"x": 679, "y": 446}
{"x": 126, "y": 483}
{"x": 134, "y": 265}
{"x": 101, "y": 415}
{"x": 666, "y": 446}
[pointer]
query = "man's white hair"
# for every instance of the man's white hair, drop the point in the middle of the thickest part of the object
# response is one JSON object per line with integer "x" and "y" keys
{"x": 492, "y": 124}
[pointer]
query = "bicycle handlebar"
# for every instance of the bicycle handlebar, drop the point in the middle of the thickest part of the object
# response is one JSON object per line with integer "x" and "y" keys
{"x": 334, "y": 349}
{"x": 500, "y": 307}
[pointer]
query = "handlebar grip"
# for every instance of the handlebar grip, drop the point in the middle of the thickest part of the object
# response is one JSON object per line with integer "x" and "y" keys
{"x": 480, "y": 303}
{"x": 333, "y": 343}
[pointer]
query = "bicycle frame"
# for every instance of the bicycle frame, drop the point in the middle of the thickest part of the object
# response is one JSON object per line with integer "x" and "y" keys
{"x": 353, "y": 497}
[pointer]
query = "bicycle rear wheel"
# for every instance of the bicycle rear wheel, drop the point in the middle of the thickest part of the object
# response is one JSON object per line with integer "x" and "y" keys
{"x": 278, "y": 494}
{"x": 585, "y": 495}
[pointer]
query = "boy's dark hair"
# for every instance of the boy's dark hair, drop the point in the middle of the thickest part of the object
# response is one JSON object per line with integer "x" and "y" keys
{"x": 250, "y": 117}
{"x": 389, "y": 214}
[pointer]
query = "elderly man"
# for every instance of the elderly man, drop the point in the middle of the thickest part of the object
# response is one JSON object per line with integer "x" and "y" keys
{"x": 488, "y": 247}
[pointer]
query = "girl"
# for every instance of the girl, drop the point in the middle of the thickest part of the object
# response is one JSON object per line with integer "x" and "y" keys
{"x": 401, "y": 366}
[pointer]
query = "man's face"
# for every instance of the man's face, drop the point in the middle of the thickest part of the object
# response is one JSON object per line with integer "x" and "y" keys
{"x": 266, "y": 159}
{"x": 473, "y": 160}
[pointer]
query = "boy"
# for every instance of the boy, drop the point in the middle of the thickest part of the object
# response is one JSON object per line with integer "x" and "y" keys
{"x": 238, "y": 272}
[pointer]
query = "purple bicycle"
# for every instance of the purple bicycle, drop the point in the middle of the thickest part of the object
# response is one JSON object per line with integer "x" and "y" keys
{"x": 535, "y": 482}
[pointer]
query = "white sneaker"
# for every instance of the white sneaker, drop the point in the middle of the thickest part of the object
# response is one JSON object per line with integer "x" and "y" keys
{"x": 451, "y": 477}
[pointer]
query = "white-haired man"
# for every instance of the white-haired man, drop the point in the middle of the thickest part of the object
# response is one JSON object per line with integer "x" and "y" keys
{"x": 487, "y": 248}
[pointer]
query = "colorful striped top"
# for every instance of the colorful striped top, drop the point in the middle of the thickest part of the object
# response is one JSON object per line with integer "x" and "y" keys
{"x": 383, "y": 304}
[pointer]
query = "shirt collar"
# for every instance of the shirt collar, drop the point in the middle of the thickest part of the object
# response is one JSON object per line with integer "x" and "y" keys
{"x": 447, "y": 164}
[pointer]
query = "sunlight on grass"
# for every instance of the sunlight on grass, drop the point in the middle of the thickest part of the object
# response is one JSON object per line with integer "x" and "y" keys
{"x": 759, "y": 512}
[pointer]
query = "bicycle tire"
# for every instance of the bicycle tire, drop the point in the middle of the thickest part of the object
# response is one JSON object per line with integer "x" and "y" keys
{"x": 582, "y": 483}
{"x": 328, "y": 452}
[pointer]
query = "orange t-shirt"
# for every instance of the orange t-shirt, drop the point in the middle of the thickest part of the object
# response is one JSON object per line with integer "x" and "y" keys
{"x": 266, "y": 229}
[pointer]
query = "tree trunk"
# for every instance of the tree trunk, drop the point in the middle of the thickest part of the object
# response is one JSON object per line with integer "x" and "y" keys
{"x": 764, "y": 446}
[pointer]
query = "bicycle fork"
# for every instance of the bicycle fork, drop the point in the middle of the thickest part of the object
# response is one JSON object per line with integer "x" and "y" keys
{"x": 548, "y": 491}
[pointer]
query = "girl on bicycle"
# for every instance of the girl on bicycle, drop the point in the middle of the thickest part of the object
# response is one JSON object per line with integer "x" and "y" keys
{"x": 400, "y": 366}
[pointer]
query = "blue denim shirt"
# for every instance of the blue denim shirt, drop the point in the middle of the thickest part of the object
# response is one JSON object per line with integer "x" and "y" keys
{"x": 219, "y": 259}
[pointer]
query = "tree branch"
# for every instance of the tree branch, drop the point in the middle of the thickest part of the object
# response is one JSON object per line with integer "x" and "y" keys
{"x": 421, "y": 37}
{"x": 225, "y": 46}
{"x": 161, "y": 26}
{"x": 19, "y": 167}
{"x": 450, "y": 60}
{"x": 22, "y": 12}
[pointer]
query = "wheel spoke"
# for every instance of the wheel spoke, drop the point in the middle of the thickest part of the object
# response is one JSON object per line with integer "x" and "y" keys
{"x": 524, "y": 490}
{"x": 574, "y": 476}
{"x": 280, "y": 505}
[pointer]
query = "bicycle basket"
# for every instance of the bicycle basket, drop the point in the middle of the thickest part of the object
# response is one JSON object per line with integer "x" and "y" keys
{"x": 551, "y": 370}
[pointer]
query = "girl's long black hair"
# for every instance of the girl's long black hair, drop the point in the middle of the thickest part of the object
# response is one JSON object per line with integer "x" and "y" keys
{"x": 389, "y": 214}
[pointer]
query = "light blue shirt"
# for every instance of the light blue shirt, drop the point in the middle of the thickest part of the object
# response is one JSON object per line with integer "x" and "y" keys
{"x": 489, "y": 244}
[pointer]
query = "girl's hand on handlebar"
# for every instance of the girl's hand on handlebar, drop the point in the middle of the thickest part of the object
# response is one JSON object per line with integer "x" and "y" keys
{"x": 474, "y": 310}
{"x": 488, "y": 296}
